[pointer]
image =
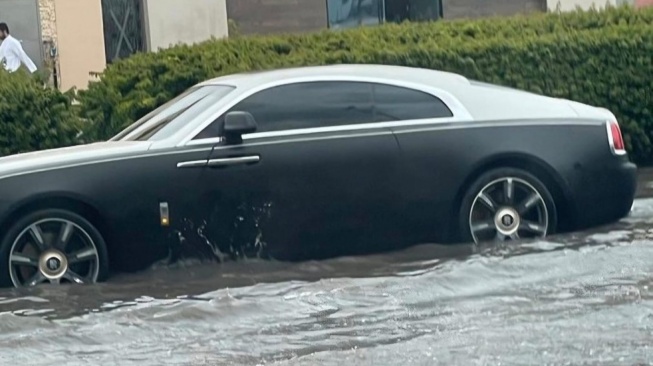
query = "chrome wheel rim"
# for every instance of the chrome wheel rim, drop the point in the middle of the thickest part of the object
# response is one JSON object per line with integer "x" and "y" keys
{"x": 508, "y": 209}
{"x": 53, "y": 251}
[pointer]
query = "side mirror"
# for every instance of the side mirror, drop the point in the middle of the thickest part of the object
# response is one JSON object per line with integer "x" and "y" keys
{"x": 237, "y": 124}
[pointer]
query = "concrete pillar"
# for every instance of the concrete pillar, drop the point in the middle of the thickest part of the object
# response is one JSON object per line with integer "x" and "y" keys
{"x": 171, "y": 22}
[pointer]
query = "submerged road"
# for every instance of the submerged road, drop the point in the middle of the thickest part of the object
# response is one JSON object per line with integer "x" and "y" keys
{"x": 579, "y": 299}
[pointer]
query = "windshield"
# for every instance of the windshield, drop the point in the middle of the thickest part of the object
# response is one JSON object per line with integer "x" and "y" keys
{"x": 167, "y": 119}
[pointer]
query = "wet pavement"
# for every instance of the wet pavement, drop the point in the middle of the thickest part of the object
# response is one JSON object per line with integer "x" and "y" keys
{"x": 645, "y": 183}
{"x": 579, "y": 299}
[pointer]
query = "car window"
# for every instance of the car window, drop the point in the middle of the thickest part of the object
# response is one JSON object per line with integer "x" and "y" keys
{"x": 332, "y": 103}
{"x": 304, "y": 105}
{"x": 173, "y": 115}
{"x": 393, "y": 103}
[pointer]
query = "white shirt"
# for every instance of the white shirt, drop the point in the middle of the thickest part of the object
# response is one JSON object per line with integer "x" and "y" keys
{"x": 12, "y": 54}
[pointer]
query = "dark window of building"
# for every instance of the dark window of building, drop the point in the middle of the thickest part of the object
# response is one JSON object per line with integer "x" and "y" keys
{"x": 123, "y": 28}
{"x": 412, "y": 10}
{"x": 353, "y": 13}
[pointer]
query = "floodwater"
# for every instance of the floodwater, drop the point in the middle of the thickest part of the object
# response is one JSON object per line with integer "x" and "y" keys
{"x": 581, "y": 299}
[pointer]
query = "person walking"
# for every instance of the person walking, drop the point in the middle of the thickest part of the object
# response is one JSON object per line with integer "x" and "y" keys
{"x": 12, "y": 53}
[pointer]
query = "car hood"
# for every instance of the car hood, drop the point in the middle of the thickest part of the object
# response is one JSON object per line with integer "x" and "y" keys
{"x": 66, "y": 156}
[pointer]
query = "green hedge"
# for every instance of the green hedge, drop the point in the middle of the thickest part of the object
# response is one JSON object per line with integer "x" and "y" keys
{"x": 34, "y": 117}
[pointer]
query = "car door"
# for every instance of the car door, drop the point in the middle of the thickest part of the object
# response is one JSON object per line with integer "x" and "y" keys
{"x": 421, "y": 119}
{"x": 150, "y": 198}
{"x": 317, "y": 179}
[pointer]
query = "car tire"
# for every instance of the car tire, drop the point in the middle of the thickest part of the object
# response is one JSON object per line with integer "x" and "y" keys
{"x": 522, "y": 182}
{"x": 84, "y": 248}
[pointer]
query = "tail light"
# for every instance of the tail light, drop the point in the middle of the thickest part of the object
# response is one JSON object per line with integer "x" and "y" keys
{"x": 615, "y": 138}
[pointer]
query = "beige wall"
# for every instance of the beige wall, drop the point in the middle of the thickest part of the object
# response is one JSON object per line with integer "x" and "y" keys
{"x": 80, "y": 41}
{"x": 170, "y": 22}
{"x": 566, "y": 5}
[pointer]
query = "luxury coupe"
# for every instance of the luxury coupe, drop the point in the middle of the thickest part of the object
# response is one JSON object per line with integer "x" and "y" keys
{"x": 313, "y": 163}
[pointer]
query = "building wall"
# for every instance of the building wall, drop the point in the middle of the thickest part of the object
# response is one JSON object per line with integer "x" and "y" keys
{"x": 277, "y": 16}
{"x": 567, "y": 5}
{"x": 280, "y": 16}
{"x": 642, "y": 3}
{"x": 170, "y": 22}
{"x": 483, "y": 8}
{"x": 80, "y": 41}
{"x": 586, "y": 4}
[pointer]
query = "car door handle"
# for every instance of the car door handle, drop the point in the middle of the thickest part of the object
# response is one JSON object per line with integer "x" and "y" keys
{"x": 234, "y": 161}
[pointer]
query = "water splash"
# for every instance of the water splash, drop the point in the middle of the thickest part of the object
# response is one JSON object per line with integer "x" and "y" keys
{"x": 241, "y": 239}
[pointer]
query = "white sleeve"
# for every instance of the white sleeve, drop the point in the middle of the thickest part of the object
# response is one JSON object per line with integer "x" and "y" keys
{"x": 24, "y": 58}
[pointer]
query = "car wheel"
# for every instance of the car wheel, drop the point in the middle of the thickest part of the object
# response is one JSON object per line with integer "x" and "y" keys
{"x": 52, "y": 246}
{"x": 507, "y": 204}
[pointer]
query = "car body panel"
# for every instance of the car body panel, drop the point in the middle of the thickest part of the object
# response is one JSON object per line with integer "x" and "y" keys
{"x": 303, "y": 190}
{"x": 567, "y": 152}
{"x": 320, "y": 192}
{"x": 35, "y": 161}
{"x": 126, "y": 191}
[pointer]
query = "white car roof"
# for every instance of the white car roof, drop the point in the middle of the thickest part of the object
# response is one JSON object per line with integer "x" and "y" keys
{"x": 403, "y": 73}
{"x": 483, "y": 101}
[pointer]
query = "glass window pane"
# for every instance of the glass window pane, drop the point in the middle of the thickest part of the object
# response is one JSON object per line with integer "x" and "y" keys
{"x": 412, "y": 10}
{"x": 170, "y": 117}
{"x": 394, "y": 103}
{"x": 333, "y": 103}
{"x": 353, "y": 13}
{"x": 309, "y": 105}
{"x": 304, "y": 105}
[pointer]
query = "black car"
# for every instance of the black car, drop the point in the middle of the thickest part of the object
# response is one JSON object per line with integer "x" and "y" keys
{"x": 312, "y": 163}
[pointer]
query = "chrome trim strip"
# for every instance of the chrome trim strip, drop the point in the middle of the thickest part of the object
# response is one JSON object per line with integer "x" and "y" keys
{"x": 234, "y": 161}
{"x": 192, "y": 164}
{"x": 212, "y": 141}
{"x": 306, "y": 139}
{"x": 291, "y": 133}
{"x": 533, "y": 123}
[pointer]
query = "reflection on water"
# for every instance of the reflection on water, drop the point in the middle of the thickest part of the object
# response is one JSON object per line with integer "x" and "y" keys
{"x": 584, "y": 298}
